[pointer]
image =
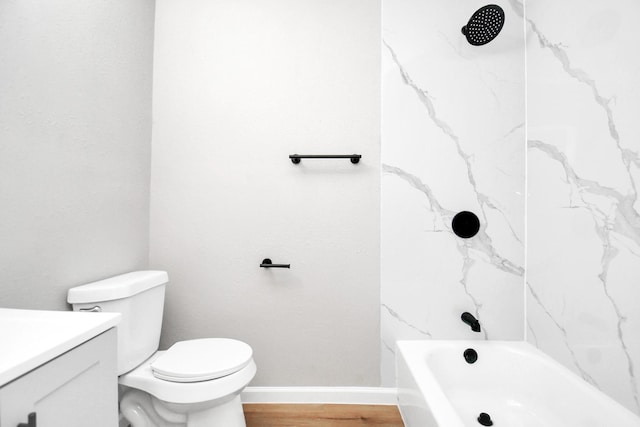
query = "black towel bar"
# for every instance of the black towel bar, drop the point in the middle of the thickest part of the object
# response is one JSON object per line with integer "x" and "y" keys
{"x": 355, "y": 158}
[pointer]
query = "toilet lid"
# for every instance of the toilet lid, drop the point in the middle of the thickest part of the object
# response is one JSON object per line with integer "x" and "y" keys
{"x": 201, "y": 360}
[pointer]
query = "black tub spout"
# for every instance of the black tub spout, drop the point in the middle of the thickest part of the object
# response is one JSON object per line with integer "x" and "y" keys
{"x": 470, "y": 320}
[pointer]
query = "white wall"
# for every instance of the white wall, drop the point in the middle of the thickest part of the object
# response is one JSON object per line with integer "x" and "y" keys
{"x": 583, "y": 298}
{"x": 452, "y": 140}
{"x": 238, "y": 86}
{"x": 75, "y": 95}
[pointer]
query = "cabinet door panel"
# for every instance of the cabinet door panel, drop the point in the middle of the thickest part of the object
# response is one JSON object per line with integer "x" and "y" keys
{"x": 76, "y": 389}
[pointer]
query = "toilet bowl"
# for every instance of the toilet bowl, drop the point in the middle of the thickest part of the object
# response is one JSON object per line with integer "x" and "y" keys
{"x": 188, "y": 385}
{"x": 195, "y": 383}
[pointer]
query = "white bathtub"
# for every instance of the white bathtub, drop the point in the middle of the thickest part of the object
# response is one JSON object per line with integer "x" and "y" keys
{"x": 513, "y": 382}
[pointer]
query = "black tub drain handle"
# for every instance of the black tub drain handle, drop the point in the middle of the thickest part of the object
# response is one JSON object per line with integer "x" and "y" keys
{"x": 471, "y": 356}
{"x": 485, "y": 419}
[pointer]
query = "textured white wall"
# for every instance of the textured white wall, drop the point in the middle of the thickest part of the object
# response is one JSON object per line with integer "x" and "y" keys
{"x": 75, "y": 101}
{"x": 238, "y": 86}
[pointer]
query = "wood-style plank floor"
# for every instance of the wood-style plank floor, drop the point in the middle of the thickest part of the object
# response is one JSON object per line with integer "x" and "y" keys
{"x": 321, "y": 415}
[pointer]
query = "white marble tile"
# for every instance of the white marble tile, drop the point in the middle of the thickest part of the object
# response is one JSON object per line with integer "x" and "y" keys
{"x": 583, "y": 221}
{"x": 453, "y": 140}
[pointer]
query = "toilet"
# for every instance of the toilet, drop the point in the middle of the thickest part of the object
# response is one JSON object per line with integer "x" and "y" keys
{"x": 195, "y": 383}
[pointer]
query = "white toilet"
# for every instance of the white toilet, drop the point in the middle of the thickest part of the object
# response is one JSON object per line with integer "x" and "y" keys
{"x": 194, "y": 383}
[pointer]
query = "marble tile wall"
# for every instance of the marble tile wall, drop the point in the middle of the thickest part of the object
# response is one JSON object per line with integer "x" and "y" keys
{"x": 452, "y": 140}
{"x": 583, "y": 275}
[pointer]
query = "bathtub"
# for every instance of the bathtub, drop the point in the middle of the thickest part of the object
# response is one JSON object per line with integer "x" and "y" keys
{"x": 515, "y": 384}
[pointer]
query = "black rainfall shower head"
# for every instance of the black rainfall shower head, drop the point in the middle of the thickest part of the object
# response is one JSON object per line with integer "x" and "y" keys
{"x": 484, "y": 25}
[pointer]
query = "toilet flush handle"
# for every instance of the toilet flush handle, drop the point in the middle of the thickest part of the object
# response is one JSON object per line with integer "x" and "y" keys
{"x": 266, "y": 263}
{"x": 94, "y": 309}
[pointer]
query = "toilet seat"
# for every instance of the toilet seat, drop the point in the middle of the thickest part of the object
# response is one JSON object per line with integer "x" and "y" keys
{"x": 201, "y": 360}
{"x": 142, "y": 378}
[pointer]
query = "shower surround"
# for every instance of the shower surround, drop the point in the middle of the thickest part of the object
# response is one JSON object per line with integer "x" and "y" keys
{"x": 457, "y": 136}
{"x": 453, "y": 132}
{"x": 583, "y": 140}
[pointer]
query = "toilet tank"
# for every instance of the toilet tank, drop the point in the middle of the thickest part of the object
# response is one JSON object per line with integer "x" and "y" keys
{"x": 139, "y": 298}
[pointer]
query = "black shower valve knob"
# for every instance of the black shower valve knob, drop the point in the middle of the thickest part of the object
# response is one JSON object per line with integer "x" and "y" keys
{"x": 465, "y": 224}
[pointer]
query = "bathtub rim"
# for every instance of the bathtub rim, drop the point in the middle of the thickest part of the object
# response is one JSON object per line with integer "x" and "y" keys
{"x": 415, "y": 353}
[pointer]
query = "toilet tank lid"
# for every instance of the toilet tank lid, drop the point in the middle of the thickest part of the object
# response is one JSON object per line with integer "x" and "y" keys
{"x": 122, "y": 286}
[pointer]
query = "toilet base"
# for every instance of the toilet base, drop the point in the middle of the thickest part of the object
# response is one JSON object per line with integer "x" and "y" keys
{"x": 141, "y": 409}
{"x": 228, "y": 414}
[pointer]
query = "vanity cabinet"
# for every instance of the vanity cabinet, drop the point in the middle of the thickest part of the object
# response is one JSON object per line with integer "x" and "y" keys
{"x": 78, "y": 388}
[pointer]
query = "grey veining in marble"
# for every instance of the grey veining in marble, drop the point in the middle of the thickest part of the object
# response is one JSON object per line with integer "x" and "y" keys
{"x": 436, "y": 163}
{"x": 583, "y": 165}
{"x": 582, "y": 139}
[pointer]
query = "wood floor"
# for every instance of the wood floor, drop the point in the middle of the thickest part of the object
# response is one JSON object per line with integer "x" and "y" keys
{"x": 321, "y": 415}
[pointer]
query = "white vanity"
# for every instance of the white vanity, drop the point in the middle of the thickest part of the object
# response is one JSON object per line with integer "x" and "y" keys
{"x": 58, "y": 369}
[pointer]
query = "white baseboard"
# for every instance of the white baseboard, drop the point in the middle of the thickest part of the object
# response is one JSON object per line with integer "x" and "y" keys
{"x": 341, "y": 395}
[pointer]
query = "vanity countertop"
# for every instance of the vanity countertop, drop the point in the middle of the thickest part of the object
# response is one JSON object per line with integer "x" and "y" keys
{"x": 30, "y": 338}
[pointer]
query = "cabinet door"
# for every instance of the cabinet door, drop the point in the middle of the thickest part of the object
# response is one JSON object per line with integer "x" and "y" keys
{"x": 76, "y": 389}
